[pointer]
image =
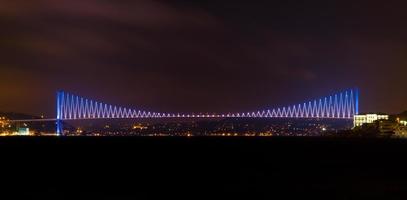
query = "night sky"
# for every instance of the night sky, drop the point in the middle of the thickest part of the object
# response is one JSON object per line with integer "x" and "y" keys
{"x": 202, "y": 56}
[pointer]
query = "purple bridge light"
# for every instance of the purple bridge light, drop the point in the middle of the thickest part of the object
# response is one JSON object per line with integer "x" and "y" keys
{"x": 343, "y": 105}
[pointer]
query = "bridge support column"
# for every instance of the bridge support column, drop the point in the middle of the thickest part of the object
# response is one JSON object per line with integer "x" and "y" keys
{"x": 357, "y": 101}
{"x": 59, "y": 128}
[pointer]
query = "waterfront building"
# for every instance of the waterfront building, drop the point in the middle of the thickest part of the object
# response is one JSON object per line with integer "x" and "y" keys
{"x": 359, "y": 120}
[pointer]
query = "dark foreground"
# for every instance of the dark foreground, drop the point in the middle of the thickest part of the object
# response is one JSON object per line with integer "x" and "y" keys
{"x": 211, "y": 168}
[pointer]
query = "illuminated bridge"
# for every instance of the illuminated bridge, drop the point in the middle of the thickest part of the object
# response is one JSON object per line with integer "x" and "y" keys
{"x": 342, "y": 105}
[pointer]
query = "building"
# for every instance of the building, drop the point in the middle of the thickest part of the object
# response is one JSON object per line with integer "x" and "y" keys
{"x": 387, "y": 126}
{"x": 359, "y": 120}
{"x": 401, "y": 130}
{"x": 23, "y": 131}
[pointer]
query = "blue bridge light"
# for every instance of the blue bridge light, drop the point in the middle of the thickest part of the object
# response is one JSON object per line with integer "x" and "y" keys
{"x": 343, "y": 105}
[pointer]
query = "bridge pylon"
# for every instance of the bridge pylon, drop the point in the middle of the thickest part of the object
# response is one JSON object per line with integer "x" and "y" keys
{"x": 59, "y": 128}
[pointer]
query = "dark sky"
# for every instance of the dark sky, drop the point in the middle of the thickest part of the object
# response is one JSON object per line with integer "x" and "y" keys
{"x": 202, "y": 56}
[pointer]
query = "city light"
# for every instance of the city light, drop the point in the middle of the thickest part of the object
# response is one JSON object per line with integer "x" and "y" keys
{"x": 79, "y": 131}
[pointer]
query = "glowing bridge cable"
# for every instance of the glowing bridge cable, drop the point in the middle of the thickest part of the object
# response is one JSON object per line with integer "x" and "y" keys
{"x": 343, "y": 105}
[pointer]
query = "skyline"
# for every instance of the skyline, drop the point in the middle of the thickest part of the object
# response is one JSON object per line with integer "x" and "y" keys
{"x": 201, "y": 56}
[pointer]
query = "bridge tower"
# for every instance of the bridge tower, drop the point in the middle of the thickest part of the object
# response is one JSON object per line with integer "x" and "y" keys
{"x": 59, "y": 128}
{"x": 357, "y": 101}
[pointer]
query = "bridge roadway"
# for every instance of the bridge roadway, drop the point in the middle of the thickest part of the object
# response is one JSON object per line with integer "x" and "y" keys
{"x": 171, "y": 117}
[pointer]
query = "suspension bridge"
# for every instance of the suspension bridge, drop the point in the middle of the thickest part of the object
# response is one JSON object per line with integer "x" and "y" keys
{"x": 342, "y": 105}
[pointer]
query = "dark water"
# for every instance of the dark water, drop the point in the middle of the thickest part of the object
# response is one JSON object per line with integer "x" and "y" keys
{"x": 252, "y": 168}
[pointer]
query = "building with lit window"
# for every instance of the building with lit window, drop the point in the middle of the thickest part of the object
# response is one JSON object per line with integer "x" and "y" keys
{"x": 23, "y": 131}
{"x": 401, "y": 130}
{"x": 359, "y": 120}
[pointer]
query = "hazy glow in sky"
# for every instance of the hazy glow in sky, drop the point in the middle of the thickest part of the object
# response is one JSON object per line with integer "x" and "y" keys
{"x": 181, "y": 56}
